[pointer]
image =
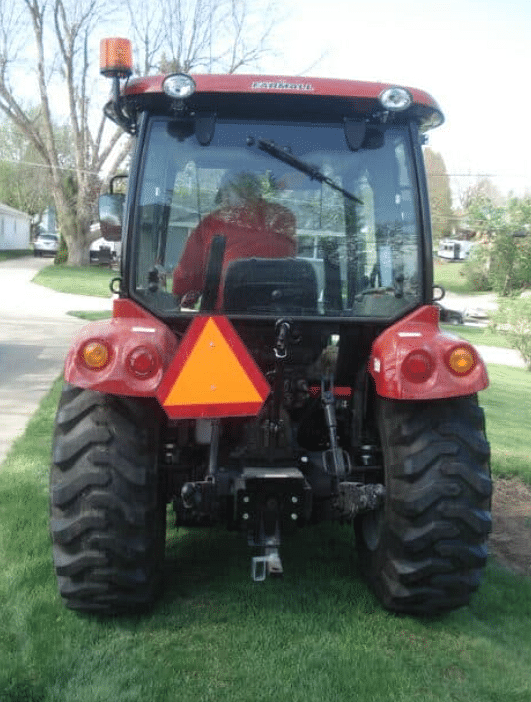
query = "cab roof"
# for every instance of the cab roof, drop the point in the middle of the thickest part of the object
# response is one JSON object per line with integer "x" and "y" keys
{"x": 234, "y": 92}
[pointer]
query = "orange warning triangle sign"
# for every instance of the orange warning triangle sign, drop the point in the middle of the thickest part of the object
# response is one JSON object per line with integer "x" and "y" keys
{"x": 212, "y": 374}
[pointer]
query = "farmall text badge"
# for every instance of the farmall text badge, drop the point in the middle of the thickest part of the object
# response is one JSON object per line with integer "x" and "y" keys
{"x": 281, "y": 85}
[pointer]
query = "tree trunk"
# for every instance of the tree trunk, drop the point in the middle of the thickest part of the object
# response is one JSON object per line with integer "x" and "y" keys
{"x": 74, "y": 203}
{"x": 78, "y": 250}
{"x": 74, "y": 226}
{"x": 76, "y": 233}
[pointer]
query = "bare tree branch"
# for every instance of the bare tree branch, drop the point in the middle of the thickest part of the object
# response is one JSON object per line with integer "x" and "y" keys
{"x": 148, "y": 33}
{"x": 36, "y": 13}
{"x": 202, "y": 35}
{"x": 104, "y": 155}
{"x": 59, "y": 38}
{"x": 121, "y": 156}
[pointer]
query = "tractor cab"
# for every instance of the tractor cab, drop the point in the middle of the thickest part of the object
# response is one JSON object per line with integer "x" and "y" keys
{"x": 274, "y": 357}
{"x": 310, "y": 213}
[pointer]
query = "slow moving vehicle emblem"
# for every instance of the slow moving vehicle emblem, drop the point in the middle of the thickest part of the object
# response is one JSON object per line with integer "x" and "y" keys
{"x": 212, "y": 374}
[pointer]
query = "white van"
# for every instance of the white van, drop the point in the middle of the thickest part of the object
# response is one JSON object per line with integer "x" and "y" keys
{"x": 454, "y": 249}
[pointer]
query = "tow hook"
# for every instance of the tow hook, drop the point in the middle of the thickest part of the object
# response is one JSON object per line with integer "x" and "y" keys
{"x": 270, "y": 501}
{"x": 268, "y": 563}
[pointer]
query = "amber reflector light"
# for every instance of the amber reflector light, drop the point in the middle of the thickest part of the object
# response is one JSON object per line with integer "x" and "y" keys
{"x": 461, "y": 360}
{"x": 95, "y": 355}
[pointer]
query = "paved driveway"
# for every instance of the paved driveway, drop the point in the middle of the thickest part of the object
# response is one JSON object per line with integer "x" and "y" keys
{"x": 35, "y": 334}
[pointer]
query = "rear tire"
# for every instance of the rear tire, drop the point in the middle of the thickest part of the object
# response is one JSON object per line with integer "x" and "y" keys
{"x": 108, "y": 507}
{"x": 424, "y": 551}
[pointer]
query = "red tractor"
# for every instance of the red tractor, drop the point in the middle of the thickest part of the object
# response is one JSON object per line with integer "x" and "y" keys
{"x": 274, "y": 358}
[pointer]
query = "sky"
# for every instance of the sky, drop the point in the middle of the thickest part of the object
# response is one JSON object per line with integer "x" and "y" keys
{"x": 472, "y": 56}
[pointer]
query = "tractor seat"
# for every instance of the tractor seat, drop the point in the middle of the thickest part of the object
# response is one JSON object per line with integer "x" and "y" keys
{"x": 270, "y": 286}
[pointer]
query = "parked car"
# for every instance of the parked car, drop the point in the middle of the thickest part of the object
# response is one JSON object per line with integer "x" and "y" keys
{"x": 447, "y": 316}
{"x": 46, "y": 244}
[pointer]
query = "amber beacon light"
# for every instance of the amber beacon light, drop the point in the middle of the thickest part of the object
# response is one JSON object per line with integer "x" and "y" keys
{"x": 116, "y": 57}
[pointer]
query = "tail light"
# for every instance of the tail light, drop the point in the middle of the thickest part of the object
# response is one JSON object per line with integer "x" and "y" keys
{"x": 143, "y": 362}
{"x": 418, "y": 366}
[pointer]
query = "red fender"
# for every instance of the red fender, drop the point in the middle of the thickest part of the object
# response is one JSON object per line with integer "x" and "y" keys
{"x": 411, "y": 360}
{"x": 131, "y": 333}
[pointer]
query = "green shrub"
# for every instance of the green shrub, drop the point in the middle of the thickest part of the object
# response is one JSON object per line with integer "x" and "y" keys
{"x": 510, "y": 270}
{"x": 513, "y": 317}
{"x": 62, "y": 254}
{"x": 476, "y": 269}
{"x": 503, "y": 264}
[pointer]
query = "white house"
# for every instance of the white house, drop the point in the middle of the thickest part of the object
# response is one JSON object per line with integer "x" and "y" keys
{"x": 14, "y": 229}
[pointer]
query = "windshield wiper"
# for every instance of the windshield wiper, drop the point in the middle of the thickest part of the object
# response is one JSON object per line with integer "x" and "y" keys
{"x": 312, "y": 172}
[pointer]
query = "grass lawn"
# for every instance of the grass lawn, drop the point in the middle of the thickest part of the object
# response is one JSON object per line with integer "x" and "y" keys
{"x": 86, "y": 280}
{"x": 450, "y": 274}
{"x": 20, "y": 253}
{"x": 317, "y": 635}
{"x": 91, "y": 316}
{"x": 507, "y": 404}
{"x": 481, "y": 336}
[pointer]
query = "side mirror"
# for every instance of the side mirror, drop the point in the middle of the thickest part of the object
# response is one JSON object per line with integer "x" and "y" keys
{"x": 438, "y": 293}
{"x": 111, "y": 208}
